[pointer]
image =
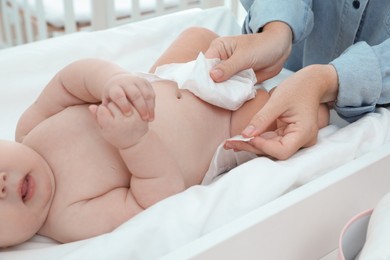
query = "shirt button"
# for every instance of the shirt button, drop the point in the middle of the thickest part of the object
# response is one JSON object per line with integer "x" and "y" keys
{"x": 356, "y": 4}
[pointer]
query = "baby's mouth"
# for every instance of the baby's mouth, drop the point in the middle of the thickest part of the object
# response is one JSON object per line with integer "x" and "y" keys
{"x": 26, "y": 188}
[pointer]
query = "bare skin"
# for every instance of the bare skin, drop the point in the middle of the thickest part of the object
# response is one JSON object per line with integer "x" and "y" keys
{"x": 294, "y": 103}
{"x": 107, "y": 145}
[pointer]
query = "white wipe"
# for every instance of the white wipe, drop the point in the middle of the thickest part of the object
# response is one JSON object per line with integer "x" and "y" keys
{"x": 194, "y": 76}
{"x": 240, "y": 138}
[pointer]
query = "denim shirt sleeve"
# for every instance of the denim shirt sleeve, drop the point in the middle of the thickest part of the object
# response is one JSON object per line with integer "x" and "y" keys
{"x": 296, "y": 13}
{"x": 364, "y": 79}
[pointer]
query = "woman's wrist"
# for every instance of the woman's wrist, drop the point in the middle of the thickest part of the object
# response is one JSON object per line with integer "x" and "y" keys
{"x": 280, "y": 28}
{"x": 325, "y": 78}
{"x": 332, "y": 85}
{"x": 276, "y": 38}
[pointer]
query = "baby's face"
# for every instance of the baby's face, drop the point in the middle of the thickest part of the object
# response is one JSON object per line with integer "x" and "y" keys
{"x": 26, "y": 192}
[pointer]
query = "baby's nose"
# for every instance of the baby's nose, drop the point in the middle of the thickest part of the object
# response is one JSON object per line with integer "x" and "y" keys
{"x": 3, "y": 179}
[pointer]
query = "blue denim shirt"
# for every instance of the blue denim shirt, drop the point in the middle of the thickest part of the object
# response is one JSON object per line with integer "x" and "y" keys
{"x": 352, "y": 35}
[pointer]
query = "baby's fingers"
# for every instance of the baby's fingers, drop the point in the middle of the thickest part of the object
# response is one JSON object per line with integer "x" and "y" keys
{"x": 117, "y": 95}
{"x": 142, "y": 98}
{"x": 129, "y": 93}
{"x": 103, "y": 115}
{"x": 93, "y": 109}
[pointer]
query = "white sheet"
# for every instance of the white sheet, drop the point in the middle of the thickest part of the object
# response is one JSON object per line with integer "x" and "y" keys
{"x": 185, "y": 217}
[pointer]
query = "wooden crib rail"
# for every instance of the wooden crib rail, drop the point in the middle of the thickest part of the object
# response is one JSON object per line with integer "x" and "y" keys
{"x": 23, "y": 21}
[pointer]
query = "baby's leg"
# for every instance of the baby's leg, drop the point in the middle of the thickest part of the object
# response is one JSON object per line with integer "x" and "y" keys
{"x": 186, "y": 47}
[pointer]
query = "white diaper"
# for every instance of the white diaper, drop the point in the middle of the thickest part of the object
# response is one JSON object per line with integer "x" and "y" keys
{"x": 225, "y": 160}
{"x": 194, "y": 76}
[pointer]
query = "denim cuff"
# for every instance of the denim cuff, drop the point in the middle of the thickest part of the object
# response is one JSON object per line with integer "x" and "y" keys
{"x": 360, "y": 81}
{"x": 295, "y": 13}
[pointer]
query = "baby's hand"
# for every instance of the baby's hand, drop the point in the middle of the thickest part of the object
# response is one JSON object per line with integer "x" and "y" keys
{"x": 129, "y": 92}
{"x": 121, "y": 130}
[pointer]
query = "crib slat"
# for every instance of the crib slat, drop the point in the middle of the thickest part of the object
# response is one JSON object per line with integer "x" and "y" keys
{"x": 135, "y": 10}
{"x": 103, "y": 14}
{"x": 28, "y": 25}
{"x": 2, "y": 39}
{"x": 70, "y": 23}
{"x": 6, "y": 23}
{"x": 98, "y": 9}
{"x": 183, "y": 4}
{"x": 160, "y": 7}
{"x": 16, "y": 22}
{"x": 110, "y": 13}
{"x": 209, "y": 4}
{"x": 41, "y": 20}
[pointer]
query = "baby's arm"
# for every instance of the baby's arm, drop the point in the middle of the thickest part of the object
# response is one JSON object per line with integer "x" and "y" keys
{"x": 155, "y": 173}
{"x": 81, "y": 82}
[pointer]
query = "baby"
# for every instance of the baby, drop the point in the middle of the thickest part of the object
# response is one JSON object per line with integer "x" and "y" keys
{"x": 100, "y": 145}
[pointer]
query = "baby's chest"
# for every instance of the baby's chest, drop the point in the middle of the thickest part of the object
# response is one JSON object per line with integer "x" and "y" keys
{"x": 84, "y": 164}
{"x": 83, "y": 174}
{"x": 85, "y": 179}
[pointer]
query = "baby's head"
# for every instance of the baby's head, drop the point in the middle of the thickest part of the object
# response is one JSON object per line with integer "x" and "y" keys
{"x": 26, "y": 192}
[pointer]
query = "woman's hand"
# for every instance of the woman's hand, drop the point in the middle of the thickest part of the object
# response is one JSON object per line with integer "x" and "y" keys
{"x": 295, "y": 105}
{"x": 264, "y": 52}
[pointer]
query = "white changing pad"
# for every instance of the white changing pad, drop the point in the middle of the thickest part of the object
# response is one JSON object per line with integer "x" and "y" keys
{"x": 182, "y": 218}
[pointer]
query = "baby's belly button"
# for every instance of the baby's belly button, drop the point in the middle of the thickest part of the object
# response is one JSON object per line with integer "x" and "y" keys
{"x": 178, "y": 93}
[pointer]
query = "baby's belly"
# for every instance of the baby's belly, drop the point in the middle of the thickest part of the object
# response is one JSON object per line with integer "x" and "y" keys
{"x": 190, "y": 128}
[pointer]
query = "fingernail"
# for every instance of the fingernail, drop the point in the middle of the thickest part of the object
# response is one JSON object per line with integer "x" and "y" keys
{"x": 128, "y": 113}
{"x": 248, "y": 131}
{"x": 216, "y": 73}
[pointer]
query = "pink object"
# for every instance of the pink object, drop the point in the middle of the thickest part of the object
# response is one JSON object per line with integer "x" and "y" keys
{"x": 353, "y": 236}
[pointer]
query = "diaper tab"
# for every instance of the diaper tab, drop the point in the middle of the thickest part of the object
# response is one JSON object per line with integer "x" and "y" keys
{"x": 224, "y": 160}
